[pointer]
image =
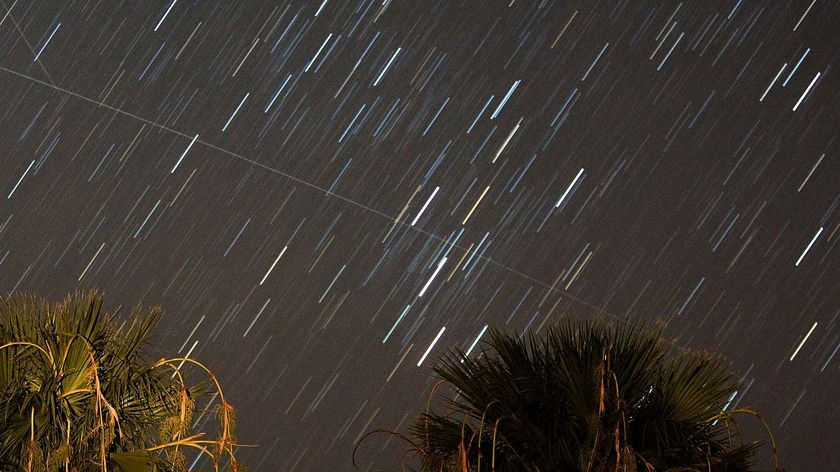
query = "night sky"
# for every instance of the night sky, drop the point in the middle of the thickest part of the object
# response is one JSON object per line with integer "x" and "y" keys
{"x": 324, "y": 194}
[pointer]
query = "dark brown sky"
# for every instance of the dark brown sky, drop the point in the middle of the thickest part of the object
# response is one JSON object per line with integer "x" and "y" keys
{"x": 313, "y": 191}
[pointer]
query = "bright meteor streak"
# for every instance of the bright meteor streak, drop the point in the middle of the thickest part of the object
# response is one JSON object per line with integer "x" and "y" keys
{"x": 440, "y": 333}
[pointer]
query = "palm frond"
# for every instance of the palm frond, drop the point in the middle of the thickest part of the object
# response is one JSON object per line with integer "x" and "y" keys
{"x": 587, "y": 396}
{"x": 76, "y": 390}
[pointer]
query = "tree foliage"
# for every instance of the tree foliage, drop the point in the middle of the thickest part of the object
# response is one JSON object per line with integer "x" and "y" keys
{"x": 78, "y": 393}
{"x": 588, "y": 396}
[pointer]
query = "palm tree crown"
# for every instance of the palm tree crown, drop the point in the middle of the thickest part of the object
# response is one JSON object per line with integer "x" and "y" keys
{"x": 77, "y": 392}
{"x": 588, "y": 396}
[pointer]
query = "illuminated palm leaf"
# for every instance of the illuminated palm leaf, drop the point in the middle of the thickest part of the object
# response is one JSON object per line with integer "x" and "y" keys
{"x": 77, "y": 393}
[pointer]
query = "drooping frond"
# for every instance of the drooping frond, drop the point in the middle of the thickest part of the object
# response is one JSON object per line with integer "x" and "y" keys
{"x": 77, "y": 391}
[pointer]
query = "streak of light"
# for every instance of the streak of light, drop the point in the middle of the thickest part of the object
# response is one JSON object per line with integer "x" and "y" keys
{"x": 563, "y": 108}
{"x": 432, "y": 278}
{"x": 798, "y": 63}
{"x": 256, "y": 358}
{"x": 564, "y": 29}
{"x": 398, "y": 363}
{"x": 254, "y": 320}
{"x": 792, "y": 408}
{"x": 191, "y": 334}
{"x": 803, "y": 341}
{"x": 127, "y": 149}
{"x": 274, "y": 264}
{"x": 183, "y": 154}
{"x": 357, "y": 65}
{"x": 475, "y": 252}
{"x": 182, "y": 188}
{"x": 813, "y": 81}
{"x": 332, "y": 283}
{"x": 402, "y": 212}
{"x": 320, "y": 254}
{"x": 507, "y": 140}
{"x": 690, "y": 296}
{"x": 146, "y": 220}
{"x": 568, "y": 189}
{"x": 165, "y": 13}
{"x": 429, "y": 126}
{"x": 364, "y": 428}
{"x": 425, "y": 354}
{"x": 306, "y": 69}
{"x": 8, "y": 11}
{"x": 352, "y": 122}
{"x": 385, "y": 69}
{"x": 91, "y": 261}
{"x": 187, "y": 355}
{"x": 420, "y": 213}
{"x": 475, "y": 205}
{"x": 195, "y": 461}
{"x": 729, "y": 17}
{"x": 246, "y": 57}
{"x": 235, "y": 111}
{"x": 668, "y": 21}
{"x": 479, "y": 114}
{"x": 323, "y": 4}
{"x": 236, "y": 238}
{"x": 772, "y": 82}
{"x": 574, "y": 264}
{"x": 47, "y": 42}
{"x": 819, "y": 231}
{"x": 726, "y": 405}
{"x": 504, "y": 100}
{"x": 585, "y": 260}
{"x": 474, "y": 343}
{"x": 274, "y": 97}
{"x": 187, "y": 42}
{"x": 550, "y": 289}
{"x": 729, "y": 401}
{"x": 602, "y": 52}
{"x": 548, "y": 315}
{"x": 662, "y": 41}
{"x": 467, "y": 251}
{"x": 454, "y": 242}
{"x": 803, "y": 15}
{"x": 298, "y": 395}
{"x": 20, "y": 180}
{"x": 809, "y": 173}
{"x": 825, "y": 364}
{"x": 402, "y": 315}
{"x": 670, "y": 51}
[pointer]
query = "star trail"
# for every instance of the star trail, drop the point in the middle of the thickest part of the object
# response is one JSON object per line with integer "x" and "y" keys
{"x": 325, "y": 196}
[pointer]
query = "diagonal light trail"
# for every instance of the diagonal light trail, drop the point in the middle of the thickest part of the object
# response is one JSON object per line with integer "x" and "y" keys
{"x": 298, "y": 180}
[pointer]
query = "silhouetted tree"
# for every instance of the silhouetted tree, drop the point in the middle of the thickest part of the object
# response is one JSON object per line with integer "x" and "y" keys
{"x": 588, "y": 396}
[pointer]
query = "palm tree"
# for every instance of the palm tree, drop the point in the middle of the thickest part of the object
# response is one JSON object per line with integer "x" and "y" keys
{"x": 78, "y": 393}
{"x": 589, "y": 396}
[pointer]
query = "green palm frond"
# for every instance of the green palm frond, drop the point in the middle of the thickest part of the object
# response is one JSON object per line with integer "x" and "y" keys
{"x": 77, "y": 392}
